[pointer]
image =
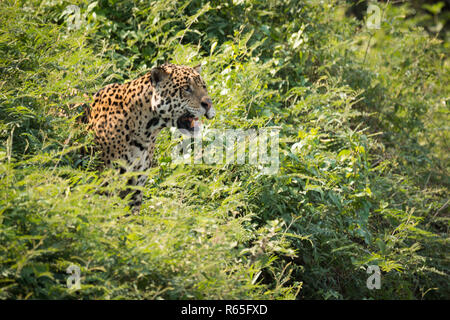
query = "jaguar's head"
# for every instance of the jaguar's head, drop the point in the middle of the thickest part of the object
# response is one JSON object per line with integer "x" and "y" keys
{"x": 181, "y": 94}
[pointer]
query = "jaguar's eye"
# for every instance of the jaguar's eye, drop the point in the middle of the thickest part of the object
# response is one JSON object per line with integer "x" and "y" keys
{"x": 188, "y": 89}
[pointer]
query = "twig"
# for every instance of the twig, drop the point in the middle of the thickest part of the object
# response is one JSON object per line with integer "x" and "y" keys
{"x": 441, "y": 209}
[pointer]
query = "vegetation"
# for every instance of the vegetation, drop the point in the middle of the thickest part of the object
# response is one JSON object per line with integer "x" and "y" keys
{"x": 363, "y": 176}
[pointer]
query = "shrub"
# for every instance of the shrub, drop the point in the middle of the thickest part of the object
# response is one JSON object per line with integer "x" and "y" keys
{"x": 363, "y": 167}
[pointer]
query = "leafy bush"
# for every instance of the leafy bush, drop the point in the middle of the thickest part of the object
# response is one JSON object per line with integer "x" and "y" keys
{"x": 363, "y": 173}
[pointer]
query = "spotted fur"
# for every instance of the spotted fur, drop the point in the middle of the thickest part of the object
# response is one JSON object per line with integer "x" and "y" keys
{"x": 126, "y": 118}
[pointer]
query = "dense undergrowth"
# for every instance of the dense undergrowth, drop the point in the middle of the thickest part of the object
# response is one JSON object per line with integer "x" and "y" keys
{"x": 363, "y": 176}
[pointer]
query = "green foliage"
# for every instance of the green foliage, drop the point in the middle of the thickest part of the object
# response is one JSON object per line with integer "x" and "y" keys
{"x": 363, "y": 177}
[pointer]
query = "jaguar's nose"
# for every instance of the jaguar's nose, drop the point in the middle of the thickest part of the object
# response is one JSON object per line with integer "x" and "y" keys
{"x": 206, "y": 103}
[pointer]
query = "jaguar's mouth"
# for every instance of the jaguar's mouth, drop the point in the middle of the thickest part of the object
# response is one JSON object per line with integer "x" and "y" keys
{"x": 188, "y": 122}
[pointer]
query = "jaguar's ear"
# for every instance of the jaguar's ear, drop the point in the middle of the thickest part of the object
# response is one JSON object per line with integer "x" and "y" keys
{"x": 198, "y": 68}
{"x": 157, "y": 75}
